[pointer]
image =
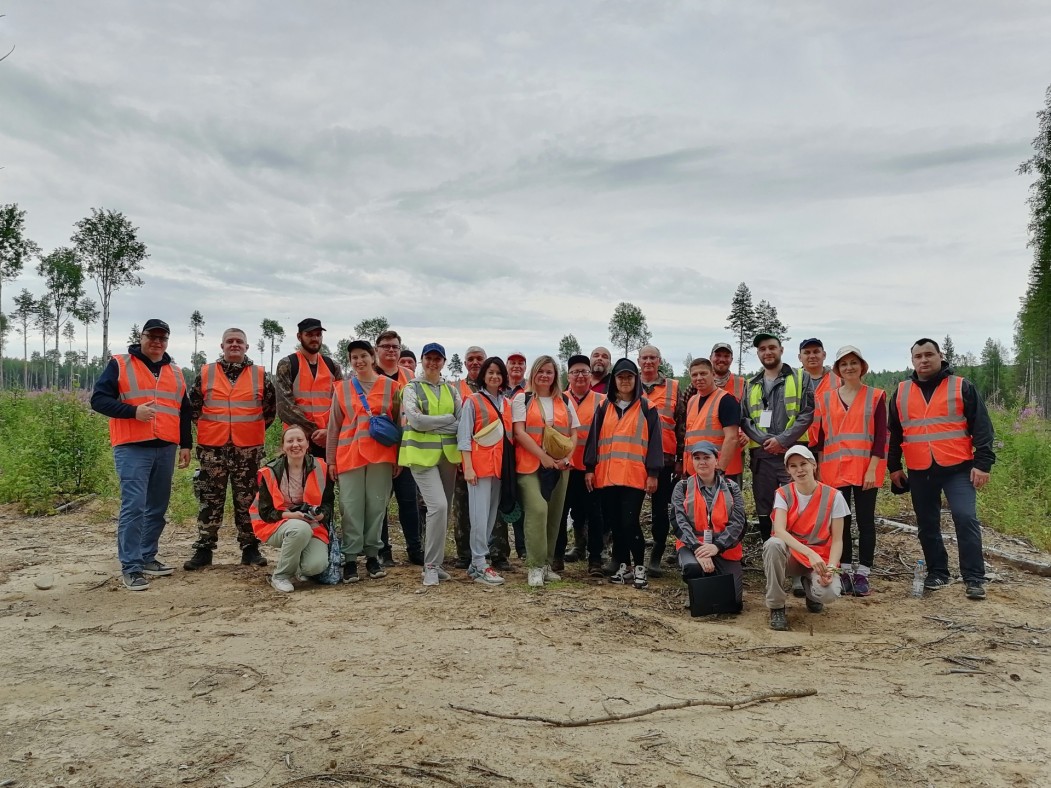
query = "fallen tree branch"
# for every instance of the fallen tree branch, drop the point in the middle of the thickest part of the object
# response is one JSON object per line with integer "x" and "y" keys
{"x": 731, "y": 704}
{"x": 765, "y": 649}
{"x": 73, "y": 504}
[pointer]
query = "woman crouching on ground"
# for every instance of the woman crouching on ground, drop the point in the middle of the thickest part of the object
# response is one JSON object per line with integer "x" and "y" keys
{"x": 292, "y": 510}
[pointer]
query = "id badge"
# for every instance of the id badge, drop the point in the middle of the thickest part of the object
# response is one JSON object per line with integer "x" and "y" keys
{"x": 764, "y": 419}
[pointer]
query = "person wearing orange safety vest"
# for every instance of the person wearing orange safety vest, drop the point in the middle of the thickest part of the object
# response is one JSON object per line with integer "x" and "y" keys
{"x": 807, "y": 541}
{"x": 583, "y": 505}
{"x": 850, "y": 435}
{"x": 822, "y": 379}
{"x": 709, "y": 519}
{"x": 304, "y": 382}
{"x": 622, "y": 459}
{"x": 713, "y": 415}
{"x": 663, "y": 395}
{"x": 293, "y": 508}
{"x": 233, "y": 404}
{"x": 143, "y": 394}
{"x": 939, "y": 424}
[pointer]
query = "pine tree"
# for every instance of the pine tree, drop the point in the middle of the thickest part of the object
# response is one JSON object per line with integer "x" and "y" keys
{"x": 741, "y": 321}
{"x": 767, "y": 321}
{"x": 455, "y": 367}
{"x": 949, "y": 351}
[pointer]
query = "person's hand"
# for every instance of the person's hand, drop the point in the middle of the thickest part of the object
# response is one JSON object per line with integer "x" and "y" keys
{"x": 295, "y": 516}
{"x": 548, "y": 461}
{"x": 333, "y": 472}
{"x": 678, "y": 469}
{"x": 319, "y": 437}
{"x": 651, "y": 484}
{"x": 397, "y": 469}
{"x": 817, "y": 563}
{"x": 146, "y": 412}
{"x": 825, "y": 577}
{"x": 898, "y": 477}
{"x": 979, "y": 478}
{"x": 184, "y": 458}
{"x": 706, "y": 551}
{"x": 589, "y": 481}
{"x": 773, "y": 446}
{"x": 707, "y": 565}
{"x": 742, "y": 438}
{"x": 869, "y": 482}
{"x": 564, "y": 463}
{"x": 470, "y": 476}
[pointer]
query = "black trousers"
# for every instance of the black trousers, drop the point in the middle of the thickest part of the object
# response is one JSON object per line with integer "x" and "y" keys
{"x": 865, "y": 506}
{"x": 587, "y": 517}
{"x": 621, "y": 508}
{"x": 660, "y": 523}
{"x": 768, "y": 473}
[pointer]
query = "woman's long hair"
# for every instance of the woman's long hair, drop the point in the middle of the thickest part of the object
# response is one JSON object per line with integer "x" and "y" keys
{"x": 537, "y": 365}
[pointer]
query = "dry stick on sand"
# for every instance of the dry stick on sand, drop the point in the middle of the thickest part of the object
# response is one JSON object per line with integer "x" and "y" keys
{"x": 733, "y": 703}
{"x": 336, "y": 777}
{"x": 763, "y": 649}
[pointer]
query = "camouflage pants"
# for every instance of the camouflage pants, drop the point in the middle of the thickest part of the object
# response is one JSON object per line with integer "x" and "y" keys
{"x": 461, "y": 518}
{"x": 219, "y": 464}
{"x": 499, "y": 545}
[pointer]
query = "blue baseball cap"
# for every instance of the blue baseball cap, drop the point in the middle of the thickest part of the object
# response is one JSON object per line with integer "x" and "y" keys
{"x": 812, "y": 341}
{"x": 704, "y": 447}
{"x": 433, "y": 347}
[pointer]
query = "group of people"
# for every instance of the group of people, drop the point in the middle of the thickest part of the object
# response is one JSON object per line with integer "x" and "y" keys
{"x": 504, "y": 448}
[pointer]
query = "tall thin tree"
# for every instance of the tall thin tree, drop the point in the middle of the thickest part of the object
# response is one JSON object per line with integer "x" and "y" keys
{"x": 24, "y": 315}
{"x": 15, "y": 250}
{"x": 64, "y": 279}
{"x": 197, "y": 329}
{"x": 87, "y": 313}
{"x": 741, "y": 321}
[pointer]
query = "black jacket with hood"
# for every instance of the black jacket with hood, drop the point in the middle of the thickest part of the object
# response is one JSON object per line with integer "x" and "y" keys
{"x": 610, "y": 409}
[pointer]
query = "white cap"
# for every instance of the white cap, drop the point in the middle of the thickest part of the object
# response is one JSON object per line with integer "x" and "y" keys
{"x": 801, "y": 451}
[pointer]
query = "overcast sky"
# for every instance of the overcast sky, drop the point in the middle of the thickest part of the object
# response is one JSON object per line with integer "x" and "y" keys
{"x": 503, "y": 173}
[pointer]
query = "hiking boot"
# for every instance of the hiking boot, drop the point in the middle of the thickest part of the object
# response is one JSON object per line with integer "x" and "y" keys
{"x": 846, "y": 583}
{"x": 654, "y": 568}
{"x": 558, "y": 565}
{"x": 797, "y": 588}
{"x": 623, "y": 575}
{"x": 574, "y": 554}
{"x": 814, "y": 607}
{"x": 549, "y": 576}
{"x": 861, "y": 585}
{"x": 778, "y": 619}
{"x": 202, "y": 557}
{"x": 386, "y": 559}
{"x": 975, "y": 589}
{"x": 595, "y": 570}
{"x": 502, "y": 564}
{"x": 937, "y": 582}
{"x": 374, "y": 568}
{"x": 416, "y": 557}
{"x": 282, "y": 584}
{"x": 639, "y": 578}
{"x": 156, "y": 569}
{"x": 135, "y": 581}
{"x": 535, "y": 578}
{"x": 250, "y": 556}
{"x": 611, "y": 567}
{"x": 430, "y": 575}
{"x": 350, "y": 572}
{"x": 671, "y": 560}
{"x": 462, "y": 563}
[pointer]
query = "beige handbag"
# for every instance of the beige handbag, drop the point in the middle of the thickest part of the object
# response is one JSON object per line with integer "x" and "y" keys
{"x": 555, "y": 444}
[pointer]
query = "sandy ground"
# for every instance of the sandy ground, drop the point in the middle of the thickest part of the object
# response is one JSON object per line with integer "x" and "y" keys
{"x": 213, "y": 679}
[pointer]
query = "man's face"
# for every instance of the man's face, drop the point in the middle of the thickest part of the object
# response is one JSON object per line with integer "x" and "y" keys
{"x": 625, "y": 385}
{"x": 388, "y": 351}
{"x": 926, "y": 360}
{"x": 474, "y": 364}
{"x": 579, "y": 378}
{"x": 516, "y": 368}
{"x": 800, "y": 468}
{"x": 234, "y": 347}
{"x": 310, "y": 341}
{"x": 600, "y": 362}
{"x": 769, "y": 352}
{"x": 812, "y": 357}
{"x": 154, "y": 344}
{"x": 721, "y": 361}
{"x": 649, "y": 361}
{"x": 409, "y": 363}
{"x": 702, "y": 379}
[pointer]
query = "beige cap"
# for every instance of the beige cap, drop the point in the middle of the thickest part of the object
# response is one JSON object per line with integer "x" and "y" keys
{"x": 801, "y": 451}
{"x": 846, "y": 350}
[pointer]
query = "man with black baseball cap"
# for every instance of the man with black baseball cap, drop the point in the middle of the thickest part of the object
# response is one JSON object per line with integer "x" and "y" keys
{"x": 144, "y": 395}
{"x": 304, "y": 382}
{"x": 812, "y": 357}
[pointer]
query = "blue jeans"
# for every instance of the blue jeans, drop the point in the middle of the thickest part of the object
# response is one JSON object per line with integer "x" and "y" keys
{"x": 145, "y": 474}
{"x": 927, "y": 489}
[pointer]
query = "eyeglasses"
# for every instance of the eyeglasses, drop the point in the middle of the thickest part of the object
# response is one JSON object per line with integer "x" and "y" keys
{"x": 389, "y": 347}
{"x": 159, "y": 338}
{"x": 580, "y": 372}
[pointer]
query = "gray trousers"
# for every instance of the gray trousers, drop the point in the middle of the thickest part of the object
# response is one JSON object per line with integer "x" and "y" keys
{"x": 778, "y": 563}
{"x": 436, "y": 488}
{"x": 484, "y": 500}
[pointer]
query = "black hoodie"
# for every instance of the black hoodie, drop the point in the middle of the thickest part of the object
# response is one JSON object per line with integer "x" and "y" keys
{"x": 655, "y": 449}
{"x": 978, "y": 425}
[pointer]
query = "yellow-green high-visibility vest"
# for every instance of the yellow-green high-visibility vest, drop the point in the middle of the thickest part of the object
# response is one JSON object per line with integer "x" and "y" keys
{"x": 426, "y": 448}
{"x": 793, "y": 391}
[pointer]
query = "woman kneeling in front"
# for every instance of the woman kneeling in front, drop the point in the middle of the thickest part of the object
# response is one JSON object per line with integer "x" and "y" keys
{"x": 292, "y": 509}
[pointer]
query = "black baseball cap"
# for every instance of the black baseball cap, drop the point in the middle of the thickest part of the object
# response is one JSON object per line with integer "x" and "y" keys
{"x": 764, "y": 335}
{"x": 578, "y": 359}
{"x": 812, "y": 341}
{"x": 153, "y": 323}
{"x": 310, "y": 324}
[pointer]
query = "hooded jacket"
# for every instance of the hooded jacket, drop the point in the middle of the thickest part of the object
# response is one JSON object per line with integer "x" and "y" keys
{"x": 655, "y": 450}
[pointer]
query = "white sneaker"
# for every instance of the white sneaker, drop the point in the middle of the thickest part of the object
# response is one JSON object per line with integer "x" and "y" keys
{"x": 622, "y": 576}
{"x": 282, "y": 584}
{"x": 488, "y": 577}
{"x": 639, "y": 580}
{"x": 536, "y": 577}
{"x": 549, "y": 576}
{"x": 430, "y": 576}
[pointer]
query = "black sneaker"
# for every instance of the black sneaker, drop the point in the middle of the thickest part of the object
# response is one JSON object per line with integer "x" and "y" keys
{"x": 502, "y": 565}
{"x": 416, "y": 557}
{"x": 250, "y": 556}
{"x": 975, "y": 589}
{"x": 558, "y": 565}
{"x": 573, "y": 555}
{"x": 350, "y": 572}
{"x": 611, "y": 567}
{"x": 462, "y": 563}
{"x": 778, "y": 619}
{"x": 374, "y": 568}
{"x": 134, "y": 581}
{"x": 814, "y": 607}
{"x": 937, "y": 582}
{"x": 387, "y": 559}
{"x": 156, "y": 569}
{"x": 595, "y": 570}
{"x": 202, "y": 557}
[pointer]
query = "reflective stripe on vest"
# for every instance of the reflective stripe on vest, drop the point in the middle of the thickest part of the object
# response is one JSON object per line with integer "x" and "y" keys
{"x": 231, "y": 412}
{"x": 934, "y": 431}
{"x": 426, "y": 448}
{"x": 136, "y": 386}
{"x": 848, "y": 436}
{"x": 487, "y": 461}
{"x": 313, "y": 393}
{"x": 585, "y": 415}
{"x": 697, "y": 510}
{"x": 526, "y": 461}
{"x": 793, "y": 386}
{"x": 735, "y": 384}
{"x": 704, "y": 425}
{"x": 622, "y": 445}
{"x": 313, "y": 494}
{"x": 812, "y": 526}
{"x": 355, "y": 447}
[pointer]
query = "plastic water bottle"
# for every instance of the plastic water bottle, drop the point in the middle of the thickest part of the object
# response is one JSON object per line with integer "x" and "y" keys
{"x": 918, "y": 576}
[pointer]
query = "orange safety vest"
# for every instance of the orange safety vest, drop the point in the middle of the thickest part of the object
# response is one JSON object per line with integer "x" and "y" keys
{"x": 525, "y": 461}
{"x": 812, "y": 526}
{"x": 663, "y": 397}
{"x": 934, "y": 431}
{"x": 586, "y": 414}
{"x": 356, "y": 448}
{"x": 313, "y": 491}
{"x": 734, "y": 385}
{"x": 697, "y": 511}
{"x": 622, "y": 446}
{"x": 488, "y": 461}
{"x": 137, "y": 386}
{"x": 465, "y": 390}
{"x": 313, "y": 393}
{"x": 849, "y": 434}
{"x": 703, "y": 425}
{"x": 231, "y": 411}
{"x": 830, "y": 381}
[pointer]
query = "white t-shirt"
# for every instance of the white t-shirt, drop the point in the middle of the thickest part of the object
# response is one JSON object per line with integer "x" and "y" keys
{"x": 839, "y": 503}
{"x": 518, "y": 409}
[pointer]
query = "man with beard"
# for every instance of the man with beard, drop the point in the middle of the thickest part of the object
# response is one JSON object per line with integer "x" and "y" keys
{"x": 778, "y": 409}
{"x": 303, "y": 384}
{"x": 461, "y": 515}
{"x": 600, "y": 361}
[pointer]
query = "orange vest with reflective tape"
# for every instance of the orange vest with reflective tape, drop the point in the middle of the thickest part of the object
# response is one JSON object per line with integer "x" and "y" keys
{"x": 830, "y": 381}
{"x": 313, "y": 491}
{"x": 232, "y": 412}
{"x": 934, "y": 430}
{"x": 622, "y": 445}
{"x": 703, "y": 425}
{"x": 585, "y": 414}
{"x": 525, "y": 461}
{"x": 136, "y": 386}
{"x": 848, "y": 436}
{"x": 663, "y": 398}
{"x": 735, "y": 385}
{"x": 697, "y": 511}
{"x": 488, "y": 461}
{"x": 356, "y": 448}
{"x": 313, "y": 392}
{"x": 812, "y": 526}
{"x": 465, "y": 390}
